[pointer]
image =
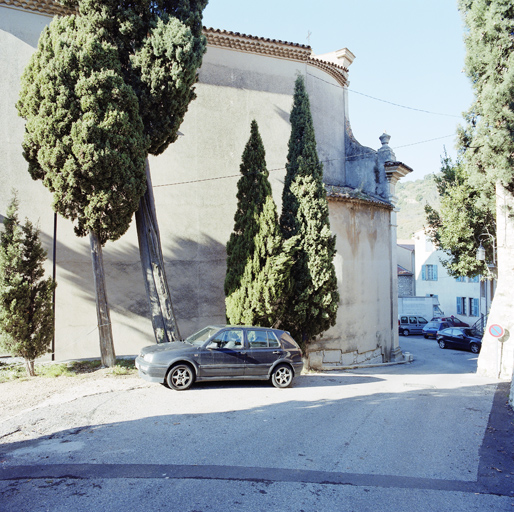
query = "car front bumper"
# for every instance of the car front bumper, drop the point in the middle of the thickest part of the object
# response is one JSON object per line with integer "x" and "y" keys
{"x": 149, "y": 371}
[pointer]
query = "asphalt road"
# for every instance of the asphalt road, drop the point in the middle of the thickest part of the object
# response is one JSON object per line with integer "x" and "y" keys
{"x": 424, "y": 436}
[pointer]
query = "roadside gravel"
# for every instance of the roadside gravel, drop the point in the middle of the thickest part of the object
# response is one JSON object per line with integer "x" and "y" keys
{"x": 21, "y": 396}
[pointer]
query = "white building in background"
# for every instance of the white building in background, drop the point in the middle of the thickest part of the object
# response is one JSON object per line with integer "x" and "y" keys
{"x": 466, "y": 298}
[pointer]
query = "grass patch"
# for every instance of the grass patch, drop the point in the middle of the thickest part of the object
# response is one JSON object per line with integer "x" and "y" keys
{"x": 16, "y": 371}
{"x": 123, "y": 367}
{"x": 12, "y": 372}
{"x": 54, "y": 370}
{"x": 77, "y": 367}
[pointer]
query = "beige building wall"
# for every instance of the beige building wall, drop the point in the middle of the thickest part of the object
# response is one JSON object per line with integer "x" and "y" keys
{"x": 195, "y": 183}
{"x": 362, "y": 333}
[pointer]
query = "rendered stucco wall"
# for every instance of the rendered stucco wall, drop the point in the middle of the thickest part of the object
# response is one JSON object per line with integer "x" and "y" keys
{"x": 362, "y": 332}
{"x": 195, "y": 184}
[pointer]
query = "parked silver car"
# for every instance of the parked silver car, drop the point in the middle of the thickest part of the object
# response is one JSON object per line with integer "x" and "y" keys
{"x": 221, "y": 353}
{"x": 411, "y": 324}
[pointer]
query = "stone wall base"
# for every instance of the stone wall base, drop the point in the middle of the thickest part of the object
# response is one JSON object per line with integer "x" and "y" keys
{"x": 330, "y": 359}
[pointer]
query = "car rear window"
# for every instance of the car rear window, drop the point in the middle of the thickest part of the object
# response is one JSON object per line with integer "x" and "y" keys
{"x": 287, "y": 341}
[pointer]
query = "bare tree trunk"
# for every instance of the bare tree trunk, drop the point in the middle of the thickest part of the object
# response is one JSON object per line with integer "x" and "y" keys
{"x": 29, "y": 366}
{"x": 161, "y": 310}
{"x": 496, "y": 358}
{"x": 102, "y": 307}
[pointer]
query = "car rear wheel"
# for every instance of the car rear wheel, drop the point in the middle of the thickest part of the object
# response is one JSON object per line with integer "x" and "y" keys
{"x": 425, "y": 336}
{"x": 282, "y": 376}
{"x": 180, "y": 377}
{"x": 405, "y": 332}
{"x": 474, "y": 348}
{"x": 442, "y": 344}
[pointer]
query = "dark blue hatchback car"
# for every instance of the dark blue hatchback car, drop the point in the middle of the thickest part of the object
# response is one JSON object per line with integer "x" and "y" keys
{"x": 430, "y": 330}
{"x": 221, "y": 353}
{"x": 460, "y": 337}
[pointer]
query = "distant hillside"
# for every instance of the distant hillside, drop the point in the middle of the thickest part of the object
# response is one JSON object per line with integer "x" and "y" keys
{"x": 412, "y": 197}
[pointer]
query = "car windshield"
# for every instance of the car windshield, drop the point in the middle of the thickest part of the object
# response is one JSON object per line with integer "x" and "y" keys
{"x": 200, "y": 337}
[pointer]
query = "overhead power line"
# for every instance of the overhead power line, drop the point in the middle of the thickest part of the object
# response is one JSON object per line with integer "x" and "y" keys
{"x": 386, "y": 101}
{"x": 348, "y": 158}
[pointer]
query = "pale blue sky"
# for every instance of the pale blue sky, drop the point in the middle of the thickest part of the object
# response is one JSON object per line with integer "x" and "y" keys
{"x": 409, "y": 52}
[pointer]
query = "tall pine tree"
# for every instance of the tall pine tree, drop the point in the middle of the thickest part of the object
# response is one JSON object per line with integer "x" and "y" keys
{"x": 26, "y": 315}
{"x": 257, "y": 278}
{"x": 312, "y": 304}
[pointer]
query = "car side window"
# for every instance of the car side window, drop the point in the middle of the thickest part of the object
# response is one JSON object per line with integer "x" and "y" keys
{"x": 404, "y": 320}
{"x": 230, "y": 338}
{"x": 257, "y": 338}
{"x": 421, "y": 320}
{"x": 413, "y": 320}
{"x": 272, "y": 339}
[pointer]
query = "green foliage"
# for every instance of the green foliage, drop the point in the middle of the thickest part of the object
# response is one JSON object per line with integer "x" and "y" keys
{"x": 312, "y": 305}
{"x": 487, "y": 140}
{"x": 463, "y": 221}
{"x": 16, "y": 371}
{"x": 123, "y": 367}
{"x": 54, "y": 370}
{"x": 104, "y": 88}
{"x": 26, "y": 316}
{"x": 257, "y": 278}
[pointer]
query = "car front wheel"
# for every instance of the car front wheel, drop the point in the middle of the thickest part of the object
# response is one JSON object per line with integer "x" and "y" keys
{"x": 442, "y": 344}
{"x": 282, "y": 376}
{"x": 405, "y": 332}
{"x": 180, "y": 377}
{"x": 474, "y": 348}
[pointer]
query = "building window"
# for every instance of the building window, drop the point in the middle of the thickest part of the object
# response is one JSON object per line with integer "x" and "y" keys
{"x": 461, "y": 305}
{"x": 460, "y": 279}
{"x": 475, "y": 279}
{"x": 473, "y": 307}
{"x": 429, "y": 272}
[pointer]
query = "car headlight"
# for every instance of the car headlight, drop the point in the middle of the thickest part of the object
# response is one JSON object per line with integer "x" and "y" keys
{"x": 148, "y": 358}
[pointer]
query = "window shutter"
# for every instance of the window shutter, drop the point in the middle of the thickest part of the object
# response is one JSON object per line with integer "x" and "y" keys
{"x": 459, "y": 306}
{"x": 435, "y": 272}
{"x": 424, "y": 272}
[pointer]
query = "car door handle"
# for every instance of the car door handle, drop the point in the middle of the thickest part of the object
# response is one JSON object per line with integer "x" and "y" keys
{"x": 243, "y": 352}
{"x": 277, "y": 352}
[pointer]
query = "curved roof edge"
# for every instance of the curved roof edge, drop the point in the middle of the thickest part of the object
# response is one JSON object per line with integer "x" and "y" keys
{"x": 220, "y": 38}
{"x": 50, "y": 7}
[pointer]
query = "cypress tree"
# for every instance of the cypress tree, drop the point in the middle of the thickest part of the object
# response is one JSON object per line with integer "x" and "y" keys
{"x": 312, "y": 304}
{"x": 26, "y": 316}
{"x": 106, "y": 87}
{"x": 258, "y": 265}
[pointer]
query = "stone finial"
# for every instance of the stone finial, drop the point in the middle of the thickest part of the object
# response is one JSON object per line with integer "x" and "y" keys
{"x": 385, "y": 138}
{"x": 385, "y": 153}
